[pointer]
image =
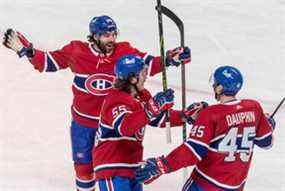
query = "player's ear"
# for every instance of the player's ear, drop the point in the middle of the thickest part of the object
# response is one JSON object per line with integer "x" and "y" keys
{"x": 95, "y": 37}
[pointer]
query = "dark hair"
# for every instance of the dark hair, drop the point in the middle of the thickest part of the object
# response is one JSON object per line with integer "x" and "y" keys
{"x": 123, "y": 85}
{"x": 90, "y": 38}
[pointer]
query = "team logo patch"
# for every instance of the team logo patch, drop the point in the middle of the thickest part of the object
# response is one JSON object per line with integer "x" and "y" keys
{"x": 99, "y": 84}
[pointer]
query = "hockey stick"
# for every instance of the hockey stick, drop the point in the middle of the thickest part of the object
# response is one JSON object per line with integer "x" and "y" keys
{"x": 278, "y": 107}
{"x": 162, "y": 56}
{"x": 180, "y": 26}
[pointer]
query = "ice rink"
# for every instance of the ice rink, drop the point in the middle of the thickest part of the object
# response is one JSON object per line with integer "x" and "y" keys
{"x": 35, "y": 150}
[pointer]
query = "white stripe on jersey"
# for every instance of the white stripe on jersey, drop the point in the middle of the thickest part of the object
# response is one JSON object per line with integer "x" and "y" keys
{"x": 81, "y": 75}
{"x": 219, "y": 183}
{"x": 80, "y": 89}
{"x": 53, "y": 61}
{"x": 85, "y": 181}
{"x": 85, "y": 189}
{"x": 85, "y": 115}
{"x": 112, "y": 165}
{"x": 118, "y": 139}
{"x": 262, "y": 137}
{"x": 193, "y": 151}
{"x": 45, "y": 62}
{"x": 105, "y": 125}
{"x": 161, "y": 120}
{"x": 198, "y": 142}
{"x": 217, "y": 138}
{"x": 118, "y": 117}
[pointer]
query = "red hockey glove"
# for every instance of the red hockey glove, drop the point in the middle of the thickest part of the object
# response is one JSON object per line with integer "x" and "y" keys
{"x": 144, "y": 95}
{"x": 162, "y": 101}
{"x": 152, "y": 169}
{"x": 191, "y": 113}
{"x": 177, "y": 56}
{"x": 18, "y": 43}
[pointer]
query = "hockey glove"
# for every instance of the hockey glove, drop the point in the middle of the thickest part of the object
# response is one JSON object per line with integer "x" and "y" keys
{"x": 191, "y": 113}
{"x": 177, "y": 56}
{"x": 160, "y": 102}
{"x": 144, "y": 95}
{"x": 18, "y": 43}
{"x": 152, "y": 169}
{"x": 270, "y": 120}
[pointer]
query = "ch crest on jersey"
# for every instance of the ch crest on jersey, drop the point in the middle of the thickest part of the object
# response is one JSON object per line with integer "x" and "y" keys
{"x": 99, "y": 84}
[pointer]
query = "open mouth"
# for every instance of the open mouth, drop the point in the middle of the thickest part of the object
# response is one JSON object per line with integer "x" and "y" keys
{"x": 109, "y": 45}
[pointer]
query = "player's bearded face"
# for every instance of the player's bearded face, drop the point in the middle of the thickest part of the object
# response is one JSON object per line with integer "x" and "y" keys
{"x": 107, "y": 41}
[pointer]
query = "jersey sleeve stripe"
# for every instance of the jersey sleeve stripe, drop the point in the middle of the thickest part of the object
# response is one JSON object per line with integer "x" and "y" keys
{"x": 193, "y": 151}
{"x": 105, "y": 126}
{"x": 266, "y": 142}
{"x": 85, "y": 115}
{"x": 108, "y": 133}
{"x": 52, "y": 65}
{"x": 198, "y": 148}
{"x": 156, "y": 122}
{"x": 85, "y": 185}
{"x": 147, "y": 59}
{"x": 264, "y": 136}
{"x": 219, "y": 184}
{"x": 79, "y": 83}
{"x": 118, "y": 121}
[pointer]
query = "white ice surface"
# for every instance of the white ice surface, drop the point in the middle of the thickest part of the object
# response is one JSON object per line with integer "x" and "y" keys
{"x": 34, "y": 108}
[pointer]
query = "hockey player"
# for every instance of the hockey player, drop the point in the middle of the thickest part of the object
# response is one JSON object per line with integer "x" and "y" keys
{"x": 220, "y": 142}
{"x": 92, "y": 63}
{"x": 126, "y": 111}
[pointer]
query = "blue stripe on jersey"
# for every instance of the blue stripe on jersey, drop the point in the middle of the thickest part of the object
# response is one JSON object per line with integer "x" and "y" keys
{"x": 148, "y": 59}
{"x": 85, "y": 184}
{"x": 80, "y": 81}
{"x": 200, "y": 149}
{"x": 155, "y": 122}
{"x": 51, "y": 67}
{"x": 118, "y": 121}
{"x": 215, "y": 144}
{"x": 107, "y": 132}
{"x": 265, "y": 142}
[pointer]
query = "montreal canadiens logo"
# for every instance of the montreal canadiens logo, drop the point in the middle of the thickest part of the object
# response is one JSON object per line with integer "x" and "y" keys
{"x": 99, "y": 84}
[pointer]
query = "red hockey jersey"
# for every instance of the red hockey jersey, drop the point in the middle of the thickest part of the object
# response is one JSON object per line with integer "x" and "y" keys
{"x": 221, "y": 144}
{"x": 118, "y": 147}
{"x": 93, "y": 74}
